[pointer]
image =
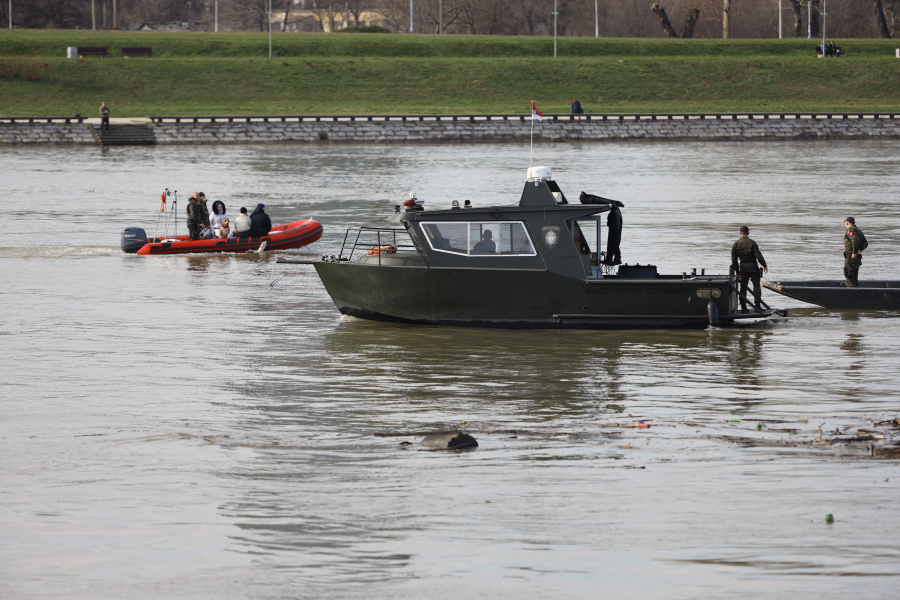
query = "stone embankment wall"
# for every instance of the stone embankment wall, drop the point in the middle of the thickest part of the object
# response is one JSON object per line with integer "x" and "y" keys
{"x": 475, "y": 131}
{"x": 55, "y": 133}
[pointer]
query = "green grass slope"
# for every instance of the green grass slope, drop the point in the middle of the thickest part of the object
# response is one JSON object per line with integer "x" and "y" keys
{"x": 378, "y": 74}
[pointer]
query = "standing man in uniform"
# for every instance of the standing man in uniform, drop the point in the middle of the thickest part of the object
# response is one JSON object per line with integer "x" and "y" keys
{"x": 744, "y": 255}
{"x": 194, "y": 218}
{"x": 104, "y": 117}
{"x": 854, "y": 244}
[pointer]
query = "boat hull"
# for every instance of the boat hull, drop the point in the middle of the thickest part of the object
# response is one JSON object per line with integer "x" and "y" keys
{"x": 521, "y": 298}
{"x": 870, "y": 295}
{"x": 282, "y": 237}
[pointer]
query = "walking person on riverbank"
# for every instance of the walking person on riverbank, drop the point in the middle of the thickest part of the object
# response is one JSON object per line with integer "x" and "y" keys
{"x": 104, "y": 117}
{"x": 744, "y": 256}
{"x": 854, "y": 243}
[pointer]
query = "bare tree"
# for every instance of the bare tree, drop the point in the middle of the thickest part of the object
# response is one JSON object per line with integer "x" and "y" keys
{"x": 881, "y": 21}
{"x": 660, "y": 13}
{"x": 687, "y": 32}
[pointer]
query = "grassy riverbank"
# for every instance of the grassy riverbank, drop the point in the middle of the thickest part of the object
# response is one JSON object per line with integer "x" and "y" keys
{"x": 194, "y": 73}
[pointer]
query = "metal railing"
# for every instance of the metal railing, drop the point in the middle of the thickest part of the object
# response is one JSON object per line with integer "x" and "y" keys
{"x": 564, "y": 117}
{"x": 381, "y": 236}
{"x": 14, "y": 120}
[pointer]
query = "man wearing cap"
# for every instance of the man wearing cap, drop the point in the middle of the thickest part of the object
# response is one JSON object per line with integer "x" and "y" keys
{"x": 854, "y": 244}
{"x": 744, "y": 254}
{"x": 194, "y": 218}
{"x": 260, "y": 223}
{"x": 204, "y": 210}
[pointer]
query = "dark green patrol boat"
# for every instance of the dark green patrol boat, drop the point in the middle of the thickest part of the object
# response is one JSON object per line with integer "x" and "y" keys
{"x": 528, "y": 265}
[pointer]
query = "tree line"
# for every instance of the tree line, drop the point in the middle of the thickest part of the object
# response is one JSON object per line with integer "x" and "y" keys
{"x": 609, "y": 18}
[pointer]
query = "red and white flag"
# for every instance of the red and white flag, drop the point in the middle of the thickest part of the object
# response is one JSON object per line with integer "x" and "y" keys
{"x": 536, "y": 114}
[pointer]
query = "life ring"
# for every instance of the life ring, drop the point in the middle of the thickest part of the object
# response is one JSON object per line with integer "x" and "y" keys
{"x": 382, "y": 249}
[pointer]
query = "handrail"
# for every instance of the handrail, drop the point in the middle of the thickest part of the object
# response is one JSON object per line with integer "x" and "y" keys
{"x": 356, "y": 244}
{"x": 565, "y": 117}
{"x": 14, "y": 120}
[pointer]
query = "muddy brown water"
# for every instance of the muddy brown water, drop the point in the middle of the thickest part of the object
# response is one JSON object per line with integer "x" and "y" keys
{"x": 173, "y": 428}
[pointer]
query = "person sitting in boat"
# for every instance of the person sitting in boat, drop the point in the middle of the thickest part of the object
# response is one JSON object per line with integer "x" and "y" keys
{"x": 486, "y": 245}
{"x": 218, "y": 217}
{"x": 260, "y": 223}
{"x": 242, "y": 224}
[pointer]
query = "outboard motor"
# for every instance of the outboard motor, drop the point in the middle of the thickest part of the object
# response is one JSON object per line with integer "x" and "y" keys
{"x": 133, "y": 239}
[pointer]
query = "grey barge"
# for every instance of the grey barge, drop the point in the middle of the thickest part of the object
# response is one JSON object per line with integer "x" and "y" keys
{"x": 870, "y": 295}
{"x": 536, "y": 264}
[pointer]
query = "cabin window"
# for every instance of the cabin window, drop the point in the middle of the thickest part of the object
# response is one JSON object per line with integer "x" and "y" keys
{"x": 493, "y": 238}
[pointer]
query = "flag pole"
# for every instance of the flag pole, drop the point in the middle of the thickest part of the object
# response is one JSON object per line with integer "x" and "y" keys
{"x": 531, "y": 157}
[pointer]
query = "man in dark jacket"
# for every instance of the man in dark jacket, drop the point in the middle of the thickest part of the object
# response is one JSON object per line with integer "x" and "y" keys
{"x": 854, "y": 244}
{"x": 260, "y": 223}
{"x": 744, "y": 255}
{"x": 194, "y": 218}
{"x": 576, "y": 107}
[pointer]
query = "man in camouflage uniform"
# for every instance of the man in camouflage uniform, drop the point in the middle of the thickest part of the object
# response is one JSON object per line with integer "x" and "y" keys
{"x": 853, "y": 239}
{"x": 744, "y": 254}
{"x": 194, "y": 218}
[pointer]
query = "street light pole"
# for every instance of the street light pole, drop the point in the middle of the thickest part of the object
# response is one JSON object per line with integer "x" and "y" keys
{"x": 93, "y": 14}
{"x": 10, "y": 14}
{"x": 270, "y": 29}
{"x": 809, "y": 19}
{"x": 115, "y": 16}
{"x": 596, "y": 20}
{"x": 779, "y": 19}
{"x": 554, "y": 28}
{"x": 441, "y": 9}
{"x": 410, "y": 16}
{"x": 217, "y": 15}
{"x": 824, "y": 14}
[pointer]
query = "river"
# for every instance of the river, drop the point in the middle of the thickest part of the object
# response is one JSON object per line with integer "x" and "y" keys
{"x": 171, "y": 427}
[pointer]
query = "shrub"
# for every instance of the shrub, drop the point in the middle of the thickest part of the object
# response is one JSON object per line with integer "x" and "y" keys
{"x": 364, "y": 29}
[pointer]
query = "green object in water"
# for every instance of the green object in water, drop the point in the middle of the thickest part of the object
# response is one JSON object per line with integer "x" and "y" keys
{"x": 759, "y": 426}
{"x": 733, "y": 420}
{"x": 829, "y": 518}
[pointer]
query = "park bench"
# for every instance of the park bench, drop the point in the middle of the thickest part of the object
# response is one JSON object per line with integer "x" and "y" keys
{"x": 126, "y": 52}
{"x": 82, "y": 52}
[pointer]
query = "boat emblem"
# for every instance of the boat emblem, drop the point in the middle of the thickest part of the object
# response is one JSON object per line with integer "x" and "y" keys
{"x": 551, "y": 236}
{"x": 708, "y": 293}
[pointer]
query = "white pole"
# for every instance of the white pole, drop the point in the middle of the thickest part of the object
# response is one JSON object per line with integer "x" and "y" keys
{"x": 270, "y": 29}
{"x": 779, "y": 19}
{"x": 115, "y": 15}
{"x": 809, "y": 19}
{"x": 217, "y": 15}
{"x": 441, "y": 9}
{"x": 554, "y": 28}
{"x": 824, "y": 14}
{"x": 596, "y": 20}
{"x": 531, "y": 157}
{"x": 93, "y": 14}
{"x": 10, "y": 14}
{"x": 410, "y": 16}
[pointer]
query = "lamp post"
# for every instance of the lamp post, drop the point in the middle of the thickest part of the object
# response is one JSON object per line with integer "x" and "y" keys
{"x": 554, "y": 27}
{"x": 93, "y": 14}
{"x": 115, "y": 15}
{"x": 189, "y": 16}
{"x": 824, "y": 14}
{"x": 270, "y": 29}
{"x": 779, "y": 19}
{"x": 441, "y": 19}
{"x": 809, "y": 19}
{"x": 10, "y": 14}
{"x": 217, "y": 15}
{"x": 596, "y": 20}
{"x": 410, "y": 16}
